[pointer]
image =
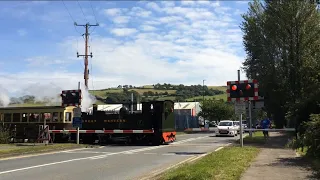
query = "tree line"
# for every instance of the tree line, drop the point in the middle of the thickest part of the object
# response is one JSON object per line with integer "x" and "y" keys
{"x": 182, "y": 93}
{"x": 282, "y": 40}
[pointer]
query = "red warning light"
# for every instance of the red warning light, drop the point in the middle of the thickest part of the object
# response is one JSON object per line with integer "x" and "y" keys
{"x": 234, "y": 87}
{"x": 248, "y": 86}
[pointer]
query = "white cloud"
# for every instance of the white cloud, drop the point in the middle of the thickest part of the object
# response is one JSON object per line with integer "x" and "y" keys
{"x": 154, "y": 6}
{"x": 113, "y": 11}
{"x": 123, "y": 31}
{"x": 155, "y": 43}
{"x": 121, "y": 19}
{"x": 22, "y": 32}
{"x": 148, "y": 28}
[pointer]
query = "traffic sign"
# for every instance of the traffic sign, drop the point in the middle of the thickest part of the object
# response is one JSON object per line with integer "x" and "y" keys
{"x": 77, "y": 112}
{"x": 240, "y": 108}
{"x": 77, "y": 122}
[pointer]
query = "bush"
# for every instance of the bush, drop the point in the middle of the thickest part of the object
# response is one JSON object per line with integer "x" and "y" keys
{"x": 4, "y": 135}
{"x": 311, "y": 137}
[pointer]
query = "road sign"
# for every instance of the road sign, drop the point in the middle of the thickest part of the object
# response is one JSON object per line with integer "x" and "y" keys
{"x": 240, "y": 108}
{"x": 77, "y": 112}
{"x": 77, "y": 122}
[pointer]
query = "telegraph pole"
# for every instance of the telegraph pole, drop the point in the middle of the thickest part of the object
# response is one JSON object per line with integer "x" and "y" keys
{"x": 86, "y": 34}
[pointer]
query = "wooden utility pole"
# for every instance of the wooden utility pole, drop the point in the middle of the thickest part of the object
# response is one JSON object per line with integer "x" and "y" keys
{"x": 86, "y": 34}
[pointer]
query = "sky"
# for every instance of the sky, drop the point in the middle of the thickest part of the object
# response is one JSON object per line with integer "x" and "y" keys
{"x": 136, "y": 42}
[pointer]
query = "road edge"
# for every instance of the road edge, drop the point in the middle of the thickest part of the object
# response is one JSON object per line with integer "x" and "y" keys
{"x": 153, "y": 175}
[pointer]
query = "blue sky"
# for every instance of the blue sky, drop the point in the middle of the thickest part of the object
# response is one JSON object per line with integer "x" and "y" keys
{"x": 136, "y": 43}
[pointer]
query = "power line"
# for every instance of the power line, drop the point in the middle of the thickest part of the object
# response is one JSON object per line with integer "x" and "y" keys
{"x": 95, "y": 17}
{"x": 82, "y": 12}
{"x": 70, "y": 16}
{"x": 94, "y": 14}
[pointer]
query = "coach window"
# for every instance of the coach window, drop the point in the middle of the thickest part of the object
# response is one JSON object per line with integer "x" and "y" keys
{"x": 24, "y": 117}
{"x": 33, "y": 117}
{"x": 68, "y": 116}
{"x": 47, "y": 117}
{"x": 55, "y": 117}
{"x": 7, "y": 117}
{"x": 16, "y": 117}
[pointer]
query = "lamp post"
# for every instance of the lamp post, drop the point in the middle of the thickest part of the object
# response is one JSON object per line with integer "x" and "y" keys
{"x": 204, "y": 121}
{"x": 203, "y": 90}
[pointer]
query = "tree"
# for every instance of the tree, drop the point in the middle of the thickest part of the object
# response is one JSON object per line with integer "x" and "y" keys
{"x": 216, "y": 110}
{"x": 281, "y": 39}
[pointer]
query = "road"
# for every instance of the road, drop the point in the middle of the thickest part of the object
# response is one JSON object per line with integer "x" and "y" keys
{"x": 110, "y": 162}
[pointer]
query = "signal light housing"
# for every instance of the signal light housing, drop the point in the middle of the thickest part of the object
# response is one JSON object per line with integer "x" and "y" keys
{"x": 243, "y": 90}
{"x": 71, "y": 98}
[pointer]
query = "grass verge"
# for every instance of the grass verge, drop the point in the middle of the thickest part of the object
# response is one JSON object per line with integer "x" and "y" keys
{"x": 257, "y": 139}
{"x": 228, "y": 164}
{"x": 7, "y": 150}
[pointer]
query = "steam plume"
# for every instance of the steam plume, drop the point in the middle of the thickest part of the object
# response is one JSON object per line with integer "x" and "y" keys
{"x": 4, "y": 98}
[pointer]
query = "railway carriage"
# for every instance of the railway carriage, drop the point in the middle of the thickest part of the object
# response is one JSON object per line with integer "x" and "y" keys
{"x": 25, "y": 122}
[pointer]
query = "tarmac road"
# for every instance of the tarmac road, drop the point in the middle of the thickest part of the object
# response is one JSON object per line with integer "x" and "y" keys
{"x": 110, "y": 162}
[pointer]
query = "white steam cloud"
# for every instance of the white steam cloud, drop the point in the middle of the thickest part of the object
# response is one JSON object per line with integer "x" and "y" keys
{"x": 4, "y": 98}
{"x": 87, "y": 99}
{"x": 49, "y": 94}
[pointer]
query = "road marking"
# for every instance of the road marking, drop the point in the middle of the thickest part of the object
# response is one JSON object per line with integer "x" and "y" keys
{"x": 40, "y": 154}
{"x": 198, "y": 157}
{"x": 218, "y": 149}
{"x": 150, "y": 153}
{"x": 94, "y": 157}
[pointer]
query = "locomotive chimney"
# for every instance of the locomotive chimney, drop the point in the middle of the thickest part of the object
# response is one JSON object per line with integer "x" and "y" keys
{"x": 94, "y": 109}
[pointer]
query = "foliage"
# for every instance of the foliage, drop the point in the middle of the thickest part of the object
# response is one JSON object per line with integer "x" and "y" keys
{"x": 4, "y": 135}
{"x": 281, "y": 40}
{"x": 216, "y": 110}
{"x": 125, "y": 96}
{"x": 311, "y": 136}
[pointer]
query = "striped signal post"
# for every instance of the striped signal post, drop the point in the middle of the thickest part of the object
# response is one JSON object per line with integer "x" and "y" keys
{"x": 243, "y": 91}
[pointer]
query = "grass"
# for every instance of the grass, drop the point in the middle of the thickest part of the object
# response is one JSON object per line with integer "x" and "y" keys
{"x": 218, "y": 96}
{"x": 257, "y": 138}
{"x": 103, "y": 93}
{"x": 227, "y": 164}
{"x": 19, "y": 149}
{"x": 220, "y": 88}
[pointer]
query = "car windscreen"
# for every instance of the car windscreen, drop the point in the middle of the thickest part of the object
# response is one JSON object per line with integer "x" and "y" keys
{"x": 225, "y": 124}
{"x": 236, "y": 123}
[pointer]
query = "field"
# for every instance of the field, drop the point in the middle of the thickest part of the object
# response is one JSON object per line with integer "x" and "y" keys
{"x": 102, "y": 94}
{"x": 146, "y": 88}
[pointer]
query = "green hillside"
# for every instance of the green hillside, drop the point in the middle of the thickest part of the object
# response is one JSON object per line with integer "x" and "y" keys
{"x": 147, "y": 92}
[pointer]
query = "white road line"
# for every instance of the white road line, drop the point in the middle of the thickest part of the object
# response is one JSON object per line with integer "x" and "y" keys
{"x": 218, "y": 149}
{"x": 40, "y": 154}
{"x": 150, "y": 153}
{"x": 95, "y": 157}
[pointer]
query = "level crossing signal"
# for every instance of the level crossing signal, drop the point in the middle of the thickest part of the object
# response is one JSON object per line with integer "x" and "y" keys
{"x": 71, "y": 98}
{"x": 242, "y": 90}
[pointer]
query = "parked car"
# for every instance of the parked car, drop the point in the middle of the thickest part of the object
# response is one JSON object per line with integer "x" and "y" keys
{"x": 226, "y": 128}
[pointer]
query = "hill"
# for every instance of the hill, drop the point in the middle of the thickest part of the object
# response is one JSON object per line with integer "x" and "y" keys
{"x": 165, "y": 91}
{"x": 146, "y": 92}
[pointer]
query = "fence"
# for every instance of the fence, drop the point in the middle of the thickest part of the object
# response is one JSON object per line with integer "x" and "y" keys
{"x": 184, "y": 121}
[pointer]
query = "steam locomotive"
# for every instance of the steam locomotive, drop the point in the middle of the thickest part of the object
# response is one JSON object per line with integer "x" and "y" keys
{"x": 154, "y": 123}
